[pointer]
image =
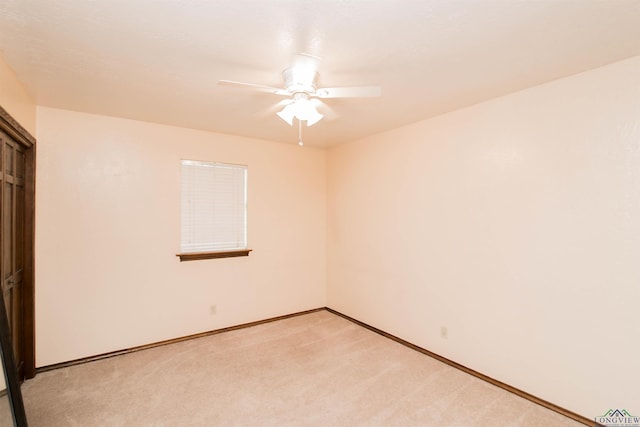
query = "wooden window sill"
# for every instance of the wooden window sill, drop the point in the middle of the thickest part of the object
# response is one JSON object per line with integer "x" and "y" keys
{"x": 194, "y": 256}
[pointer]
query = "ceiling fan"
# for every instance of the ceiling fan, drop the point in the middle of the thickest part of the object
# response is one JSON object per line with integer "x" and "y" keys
{"x": 301, "y": 86}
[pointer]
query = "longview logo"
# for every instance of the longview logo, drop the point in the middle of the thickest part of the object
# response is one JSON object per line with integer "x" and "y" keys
{"x": 618, "y": 418}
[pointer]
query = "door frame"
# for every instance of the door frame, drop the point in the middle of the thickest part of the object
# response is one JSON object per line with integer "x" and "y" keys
{"x": 11, "y": 127}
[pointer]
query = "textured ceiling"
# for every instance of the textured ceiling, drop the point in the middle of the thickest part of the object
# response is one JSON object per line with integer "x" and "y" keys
{"x": 160, "y": 60}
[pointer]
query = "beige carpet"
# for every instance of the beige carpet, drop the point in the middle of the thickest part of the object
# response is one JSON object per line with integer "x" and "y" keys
{"x": 312, "y": 370}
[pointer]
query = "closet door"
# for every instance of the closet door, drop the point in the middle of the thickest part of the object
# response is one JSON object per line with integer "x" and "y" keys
{"x": 12, "y": 241}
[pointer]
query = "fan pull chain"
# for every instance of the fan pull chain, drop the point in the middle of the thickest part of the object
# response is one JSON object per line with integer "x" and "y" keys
{"x": 300, "y": 143}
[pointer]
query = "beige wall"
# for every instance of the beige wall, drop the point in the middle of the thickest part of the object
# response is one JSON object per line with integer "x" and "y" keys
{"x": 15, "y": 99}
{"x": 515, "y": 224}
{"x": 108, "y": 229}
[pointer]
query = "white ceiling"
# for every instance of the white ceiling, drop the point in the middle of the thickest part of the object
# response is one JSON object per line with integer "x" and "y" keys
{"x": 160, "y": 60}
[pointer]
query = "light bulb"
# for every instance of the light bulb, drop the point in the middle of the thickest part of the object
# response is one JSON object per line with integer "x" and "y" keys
{"x": 300, "y": 143}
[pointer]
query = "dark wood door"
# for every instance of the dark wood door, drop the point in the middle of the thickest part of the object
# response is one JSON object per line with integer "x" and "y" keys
{"x": 12, "y": 241}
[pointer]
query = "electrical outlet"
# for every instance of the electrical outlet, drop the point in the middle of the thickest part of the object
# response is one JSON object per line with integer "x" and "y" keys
{"x": 212, "y": 310}
{"x": 444, "y": 333}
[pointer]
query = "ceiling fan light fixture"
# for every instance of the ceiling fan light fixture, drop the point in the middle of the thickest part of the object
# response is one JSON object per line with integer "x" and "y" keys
{"x": 302, "y": 109}
{"x": 302, "y": 92}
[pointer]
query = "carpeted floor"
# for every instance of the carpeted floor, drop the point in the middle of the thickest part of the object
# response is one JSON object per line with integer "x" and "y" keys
{"x": 316, "y": 369}
{"x": 6, "y": 419}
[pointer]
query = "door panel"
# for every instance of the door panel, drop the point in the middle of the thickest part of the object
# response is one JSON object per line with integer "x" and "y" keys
{"x": 17, "y": 222}
{"x": 12, "y": 241}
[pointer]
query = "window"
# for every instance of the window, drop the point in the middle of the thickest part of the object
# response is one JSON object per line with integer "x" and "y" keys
{"x": 214, "y": 210}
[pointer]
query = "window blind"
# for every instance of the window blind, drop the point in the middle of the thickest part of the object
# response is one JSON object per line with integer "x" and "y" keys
{"x": 214, "y": 206}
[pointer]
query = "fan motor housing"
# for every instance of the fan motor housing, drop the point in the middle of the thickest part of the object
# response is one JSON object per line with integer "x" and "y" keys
{"x": 297, "y": 80}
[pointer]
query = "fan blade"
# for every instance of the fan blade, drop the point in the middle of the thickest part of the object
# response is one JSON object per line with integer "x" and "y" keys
{"x": 259, "y": 88}
{"x": 349, "y": 92}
